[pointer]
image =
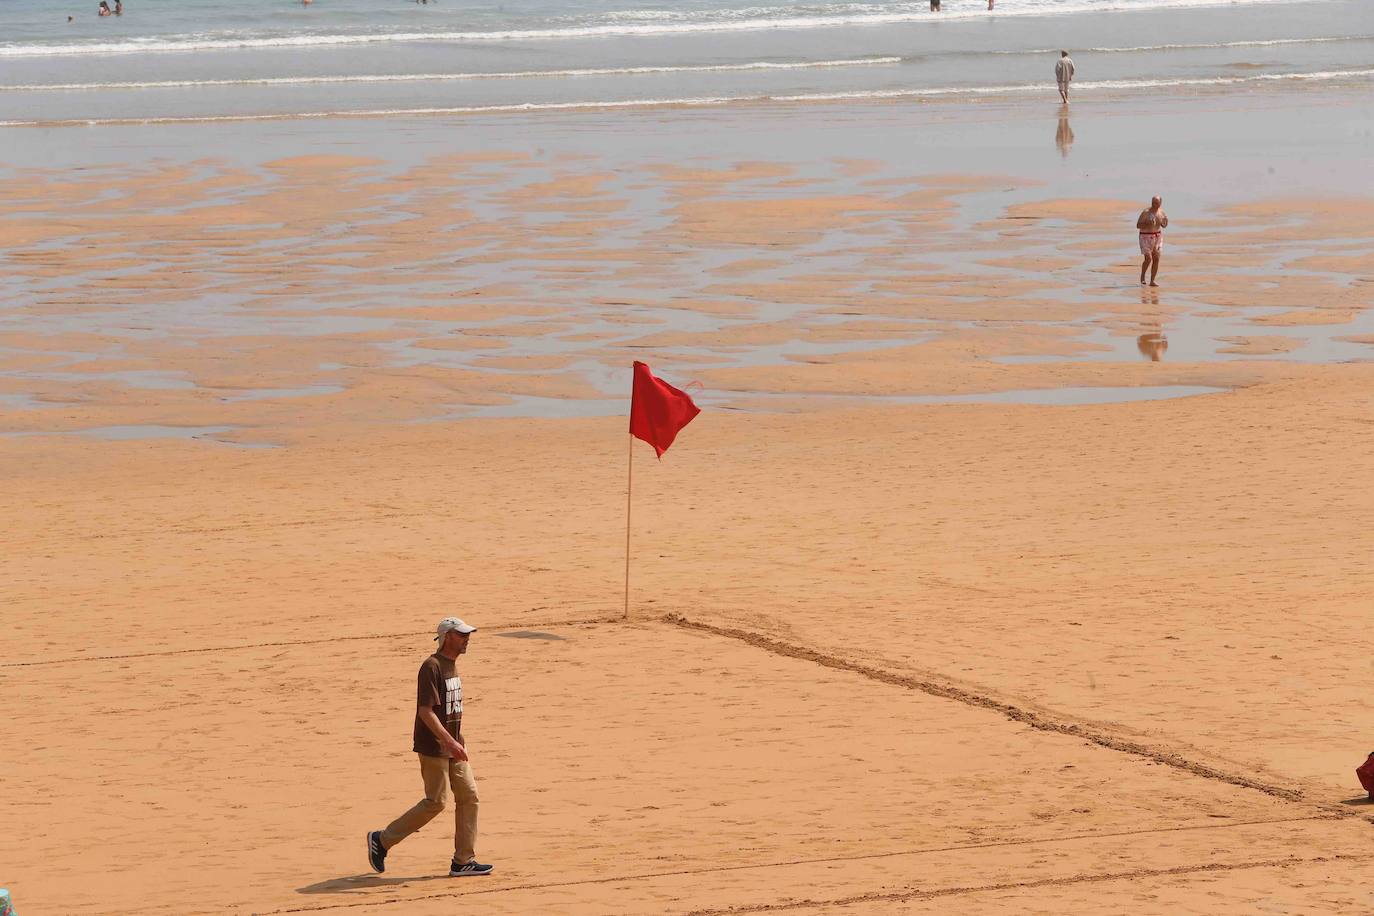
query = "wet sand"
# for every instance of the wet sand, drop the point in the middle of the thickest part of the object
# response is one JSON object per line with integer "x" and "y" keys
{"x": 407, "y": 299}
{"x": 883, "y": 656}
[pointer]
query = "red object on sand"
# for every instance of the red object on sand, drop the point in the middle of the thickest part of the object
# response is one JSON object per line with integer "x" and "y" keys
{"x": 1366, "y": 773}
{"x": 658, "y": 411}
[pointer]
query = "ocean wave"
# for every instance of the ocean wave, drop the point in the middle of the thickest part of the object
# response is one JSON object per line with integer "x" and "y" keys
{"x": 1090, "y": 85}
{"x": 1206, "y": 46}
{"x": 439, "y": 77}
{"x": 727, "y": 20}
{"x": 706, "y": 101}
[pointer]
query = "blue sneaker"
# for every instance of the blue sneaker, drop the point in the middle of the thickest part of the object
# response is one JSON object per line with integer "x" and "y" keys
{"x": 376, "y": 852}
{"x": 471, "y": 868}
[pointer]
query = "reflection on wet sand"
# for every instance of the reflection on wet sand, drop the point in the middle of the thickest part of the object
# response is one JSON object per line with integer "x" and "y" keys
{"x": 1153, "y": 344}
{"x": 1063, "y": 134}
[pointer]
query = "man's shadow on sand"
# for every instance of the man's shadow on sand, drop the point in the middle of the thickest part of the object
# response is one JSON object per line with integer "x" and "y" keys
{"x": 1359, "y": 801}
{"x": 362, "y": 882}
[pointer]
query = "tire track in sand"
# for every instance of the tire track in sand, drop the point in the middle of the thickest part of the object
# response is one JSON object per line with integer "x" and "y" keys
{"x": 904, "y": 896}
{"x": 751, "y": 866}
{"x": 1028, "y": 717}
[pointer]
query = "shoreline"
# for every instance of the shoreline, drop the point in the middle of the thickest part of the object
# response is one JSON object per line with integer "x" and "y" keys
{"x": 1129, "y": 50}
{"x": 1111, "y": 91}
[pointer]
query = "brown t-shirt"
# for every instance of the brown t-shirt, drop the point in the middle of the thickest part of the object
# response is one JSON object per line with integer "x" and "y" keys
{"x": 439, "y": 688}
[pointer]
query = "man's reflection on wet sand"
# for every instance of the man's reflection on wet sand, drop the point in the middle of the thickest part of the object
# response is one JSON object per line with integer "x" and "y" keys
{"x": 1063, "y": 135}
{"x": 1152, "y": 344}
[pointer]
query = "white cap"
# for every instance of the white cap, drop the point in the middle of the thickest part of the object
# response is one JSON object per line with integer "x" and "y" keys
{"x": 452, "y": 623}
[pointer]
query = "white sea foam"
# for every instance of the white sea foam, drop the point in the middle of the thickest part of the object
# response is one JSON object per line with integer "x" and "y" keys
{"x": 612, "y": 25}
{"x": 1089, "y": 86}
{"x": 705, "y": 101}
{"x": 1271, "y": 43}
{"x": 438, "y": 77}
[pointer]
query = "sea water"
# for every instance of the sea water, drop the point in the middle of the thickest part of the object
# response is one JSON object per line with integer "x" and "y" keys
{"x": 249, "y": 59}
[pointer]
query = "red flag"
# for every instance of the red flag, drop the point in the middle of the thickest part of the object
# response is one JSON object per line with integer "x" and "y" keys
{"x": 658, "y": 411}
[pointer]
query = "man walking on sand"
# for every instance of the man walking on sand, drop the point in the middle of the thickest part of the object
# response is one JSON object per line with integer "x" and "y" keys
{"x": 1063, "y": 74}
{"x": 1151, "y": 225}
{"x": 443, "y": 758}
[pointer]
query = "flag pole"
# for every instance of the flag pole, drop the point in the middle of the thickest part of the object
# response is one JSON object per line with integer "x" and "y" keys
{"x": 629, "y": 482}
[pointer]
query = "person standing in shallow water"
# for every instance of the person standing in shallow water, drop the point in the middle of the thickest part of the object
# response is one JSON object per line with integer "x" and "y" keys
{"x": 1063, "y": 74}
{"x": 1151, "y": 225}
{"x": 444, "y": 764}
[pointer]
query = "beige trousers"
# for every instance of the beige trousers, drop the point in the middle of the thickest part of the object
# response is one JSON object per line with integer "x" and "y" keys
{"x": 439, "y": 773}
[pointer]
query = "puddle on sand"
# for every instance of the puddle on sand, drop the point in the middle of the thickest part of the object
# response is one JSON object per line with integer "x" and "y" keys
{"x": 1203, "y": 337}
{"x": 147, "y": 431}
{"x": 151, "y": 379}
{"x": 24, "y": 402}
{"x": 565, "y": 408}
{"x": 1064, "y": 397}
{"x": 263, "y": 394}
{"x": 1042, "y": 397}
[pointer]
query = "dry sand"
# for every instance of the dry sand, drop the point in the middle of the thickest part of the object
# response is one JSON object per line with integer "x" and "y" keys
{"x": 257, "y": 616}
{"x": 882, "y": 658}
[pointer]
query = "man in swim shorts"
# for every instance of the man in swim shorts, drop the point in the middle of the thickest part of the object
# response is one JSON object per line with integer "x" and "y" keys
{"x": 1151, "y": 226}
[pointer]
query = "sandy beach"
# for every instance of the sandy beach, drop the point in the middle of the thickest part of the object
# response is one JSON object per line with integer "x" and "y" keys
{"x": 986, "y": 582}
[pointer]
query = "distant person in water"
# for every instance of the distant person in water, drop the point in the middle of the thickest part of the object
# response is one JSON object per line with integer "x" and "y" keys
{"x": 989, "y": 6}
{"x": 1151, "y": 225}
{"x": 1063, "y": 74}
{"x": 935, "y": 6}
{"x": 119, "y": 7}
{"x": 105, "y": 9}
